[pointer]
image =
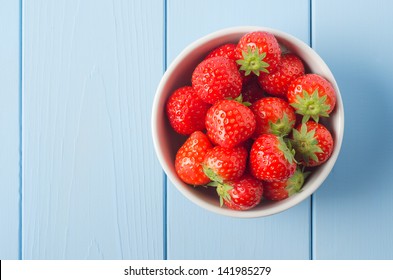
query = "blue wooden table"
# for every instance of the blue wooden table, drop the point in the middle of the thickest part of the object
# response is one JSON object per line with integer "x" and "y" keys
{"x": 79, "y": 178}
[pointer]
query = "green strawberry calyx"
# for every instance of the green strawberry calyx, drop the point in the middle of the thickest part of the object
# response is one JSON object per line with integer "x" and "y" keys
{"x": 239, "y": 99}
{"x": 285, "y": 147}
{"x": 296, "y": 182}
{"x": 305, "y": 144}
{"x": 282, "y": 127}
{"x": 253, "y": 61}
{"x": 211, "y": 174}
{"x": 222, "y": 191}
{"x": 311, "y": 105}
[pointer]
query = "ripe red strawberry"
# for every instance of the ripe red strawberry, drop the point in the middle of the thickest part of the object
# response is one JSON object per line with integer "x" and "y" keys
{"x": 258, "y": 52}
{"x": 240, "y": 194}
{"x": 251, "y": 91}
{"x": 227, "y": 50}
{"x": 186, "y": 111}
{"x": 270, "y": 159}
{"x": 273, "y": 115}
{"x": 276, "y": 83}
{"x": 313, "y": 143}
{"x": 223, "y": 164}
{"x": 312, "y": 96}
{"x": 229, "y": 123}
{"x": 285, "y": 189}
{"x": 216, "y": 78}
{"x": 189, "y": 158}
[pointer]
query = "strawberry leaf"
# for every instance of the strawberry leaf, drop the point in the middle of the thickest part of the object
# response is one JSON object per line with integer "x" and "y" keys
{"x": 311, "y": 106}
{"x": 287, "y": 151}
{"x": 281, "y": 127}
{"x": 211, "y": 174}
{"x": 305, "y": 144}
{"x": 295, "y": 183}
{"x": 240, "y": 100}
{"x": 253, "y": 61}
{"x": 223, "y": 193}
{"x": 213, "y": 184}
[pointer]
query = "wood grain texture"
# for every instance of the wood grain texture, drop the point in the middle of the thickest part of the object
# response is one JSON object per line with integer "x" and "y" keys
{"x": 194, "y": 233}
{"x": 92, "y": 186}
{"x": 353, "y": 213}
{"x": 9, "y": 129}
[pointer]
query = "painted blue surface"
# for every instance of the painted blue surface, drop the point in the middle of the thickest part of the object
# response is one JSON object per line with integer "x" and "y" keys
{"x": 9, "y": 129}
{"x": 354, "y": 209}
{"x": 91, "y": 186}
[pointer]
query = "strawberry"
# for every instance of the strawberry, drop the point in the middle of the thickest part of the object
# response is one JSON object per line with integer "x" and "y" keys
{"x": 229, "y": 123}
{"x": 273, "y": 115}
{"x": 240, "y": 194}
{"x": 276, "y": 83}
{"x": 223, "y": 164}
{"x": 227, "y": 50}
{"x": 313, "y": 143}
{"x": 251, "y": 91}
{"x": 270, "y": 159}
{"x": 312, "y": 96}
{"x": 284, "y": 189}
{"x": 216, "y": 78}
{"x": 258, "y": 52}
{"x": 189, "y": 158}
{"x": 186, "y": 111}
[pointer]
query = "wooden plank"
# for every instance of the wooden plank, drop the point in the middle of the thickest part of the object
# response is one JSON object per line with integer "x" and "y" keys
{"x": 353, "y": 213}
{"x": 9, "y": 129}
{"x": 195, "y": 233}
{"x": 92, "y": 183}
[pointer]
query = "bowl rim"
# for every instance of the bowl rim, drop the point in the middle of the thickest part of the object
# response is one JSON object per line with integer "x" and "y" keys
{"x": 279, "y": 206}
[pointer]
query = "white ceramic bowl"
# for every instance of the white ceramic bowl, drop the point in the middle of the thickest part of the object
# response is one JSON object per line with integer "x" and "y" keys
{"x": 167, "y": 142}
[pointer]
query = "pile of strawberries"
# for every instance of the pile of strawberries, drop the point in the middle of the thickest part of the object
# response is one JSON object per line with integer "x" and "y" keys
{"x": 252, "y": 115}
